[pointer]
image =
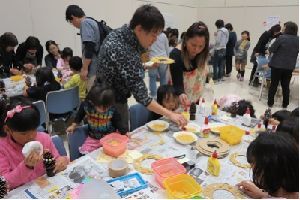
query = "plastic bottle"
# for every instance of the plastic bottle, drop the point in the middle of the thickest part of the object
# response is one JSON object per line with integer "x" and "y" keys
{"x": 202, "y": 107}
{"x": 214, "y": 108}
{"x": 247, "y": 117}
{"x": 213, "y": 164}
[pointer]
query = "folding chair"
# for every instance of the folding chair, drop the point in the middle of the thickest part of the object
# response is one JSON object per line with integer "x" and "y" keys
{"x": 61, "y": 104}
{"x": 139, "y": 115}
{"x": 59, "y": 144}
{"x": 75, "y": 140}
{"x": 43, "y": 115}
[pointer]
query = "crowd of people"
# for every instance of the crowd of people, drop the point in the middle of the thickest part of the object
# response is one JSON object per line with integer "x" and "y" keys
{"x": 110, "y": 70}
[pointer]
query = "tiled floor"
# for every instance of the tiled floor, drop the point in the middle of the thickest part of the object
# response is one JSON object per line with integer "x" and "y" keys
{"x": 232, "y": 86}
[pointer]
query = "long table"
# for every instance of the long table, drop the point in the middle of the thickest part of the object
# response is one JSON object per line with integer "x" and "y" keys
{"x": 95, "y": 164}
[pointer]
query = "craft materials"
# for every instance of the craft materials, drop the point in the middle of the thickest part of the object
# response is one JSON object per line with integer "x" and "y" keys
{"x": 32, "y": 146}
{"x": 49, "y": 163}
{"x": 158, "y": 125}
{"x": 114, "y": 144}
{"x": 182, "y": 186}
{"x": 247, "y": 118}
{"x": 213, "y": 164}
{"x": 202, "y": 107}
{"x": 3, "y": 187}
{"x": 117, "y": 167}
{"x": 193, "y": 111}
{"x": 189, "y": 165}
{"x": 128, "y": 184}
{"x": 207, "y": 146}
{"x": 214, "y": 108}
{"x": 233, "y": 159}
{"x": 209, "y": 190}
{"x": 231, "y": 134}
{"x": 165, "y": 168}
{"x": 162, "y": 60}
{"x": 138, "y": 163}
{"x": 184, "y": 137}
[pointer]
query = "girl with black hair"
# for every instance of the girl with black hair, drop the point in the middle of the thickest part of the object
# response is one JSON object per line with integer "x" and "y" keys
{"x": 241, "y": 49}
{"x": 189, "y": 70}
{"x": 45, "y": 82}
{"x": 53, "y": 59}
{"x": 102, "y": 117}
{"x": 21, "y": 124}
{"x": 274, "y": 159}
{"x": 8, "y": 64}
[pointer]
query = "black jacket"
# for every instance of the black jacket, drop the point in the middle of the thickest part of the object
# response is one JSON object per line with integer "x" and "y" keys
{"x": 231, "y": 44}
{"x": 21, "y": 53}
{"x": 7, "y": 61}
{"x": 285, "y": 51}
{"x": 50, "y": 61}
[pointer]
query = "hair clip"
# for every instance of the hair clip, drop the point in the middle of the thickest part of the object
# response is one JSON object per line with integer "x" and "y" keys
{"x": 15, "y": 110}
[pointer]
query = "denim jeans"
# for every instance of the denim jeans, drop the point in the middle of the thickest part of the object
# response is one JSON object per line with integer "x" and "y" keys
{"x": 153, "y": 72}
{"x": 219, "y": 64}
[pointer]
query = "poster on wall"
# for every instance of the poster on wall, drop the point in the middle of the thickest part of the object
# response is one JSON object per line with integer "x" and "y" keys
{"x": 271, "y": 21}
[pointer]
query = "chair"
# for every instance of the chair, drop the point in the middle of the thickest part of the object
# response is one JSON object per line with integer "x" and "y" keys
{"x": 139, "y": 115}
{"x": 40, "y": 105}
{"x": 59, "y": 144}
{"x": 62, "y": 103}
{"x": 75, "y": 140}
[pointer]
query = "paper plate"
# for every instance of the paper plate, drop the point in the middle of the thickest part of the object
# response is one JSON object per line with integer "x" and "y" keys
{"x": 16, "y": 78}
{"x": 192, "y": 127}
{"x": 32, "y": 146}
{"x": 184, "y": 137}
{"x": 158, "y": 125}
{"x": 162, "y": 60}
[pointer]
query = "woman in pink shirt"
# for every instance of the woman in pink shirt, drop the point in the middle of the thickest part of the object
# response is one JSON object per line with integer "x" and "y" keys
{"x": 20, "y": 127}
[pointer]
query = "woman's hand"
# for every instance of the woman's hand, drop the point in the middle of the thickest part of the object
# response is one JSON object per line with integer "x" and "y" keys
{"x": 33, "y": 159}
{"x": 178, "y": 119}
{"x": 60, "y": 164}
{"x": 184, "y": 100}
{"x": 252, "y": 190}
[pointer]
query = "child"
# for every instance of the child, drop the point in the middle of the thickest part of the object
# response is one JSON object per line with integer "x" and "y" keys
{"x": 166, "y": 97}
{"x": 274, "y": 159}
{"x": 67, "y": 54}
{"x": 2, "y": 115}
{"x": 21, "y": 124}
{"x": 241, "y": 49}
{"x": 102, "y": 117}
{"x": 76, "y": 65}
{"x": 290, "y": 126}
{"x": 45, "y": 82}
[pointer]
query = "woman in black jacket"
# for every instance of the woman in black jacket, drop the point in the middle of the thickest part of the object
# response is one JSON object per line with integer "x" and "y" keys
{"x": 8, "y": 65}
{"x": 30, "y": 54}
{"x": 285, "y": 51}
{"x": 54, "y": 54}
{"x": 230, "y": 48}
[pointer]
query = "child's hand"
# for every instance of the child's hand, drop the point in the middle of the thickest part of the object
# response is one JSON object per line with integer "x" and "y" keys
{"x": 252, "y": 190}
{"x": 33, "y": 159}
{"x": 60, "y": 164}
{"x": 71, "y": 128}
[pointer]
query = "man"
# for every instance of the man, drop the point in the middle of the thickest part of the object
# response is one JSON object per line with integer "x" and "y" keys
{"x": 120, "y": 66}
{"x": 90, "y": 38}
{"x": 221, "y": 39}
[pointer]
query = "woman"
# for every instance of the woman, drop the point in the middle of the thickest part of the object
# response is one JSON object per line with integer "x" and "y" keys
{"x": 285, "y": 51}
{"x": 230, "y": 49}
{"x": 30, "y": 54}
{"x": 8, "y": 65}
{"x": 53, "y": 59}
{"x": 189, "y": 71}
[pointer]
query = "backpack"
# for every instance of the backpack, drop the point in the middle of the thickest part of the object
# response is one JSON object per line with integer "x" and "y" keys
{"x": 104, "y": 30}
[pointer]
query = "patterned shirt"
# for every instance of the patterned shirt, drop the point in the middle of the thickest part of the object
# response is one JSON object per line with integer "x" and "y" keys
{"x": 99, "y": 124}
{"x": 120, "y": 66}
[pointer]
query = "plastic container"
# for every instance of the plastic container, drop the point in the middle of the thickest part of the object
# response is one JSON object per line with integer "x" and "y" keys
{"x": 126, "y": 181}
{"x": 165, "y": 168}
{"x": 114, "y": 144}
{"x": 182, "y": 186}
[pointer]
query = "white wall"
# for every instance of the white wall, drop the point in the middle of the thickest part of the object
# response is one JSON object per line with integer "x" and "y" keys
{"x": 46, "y": 18}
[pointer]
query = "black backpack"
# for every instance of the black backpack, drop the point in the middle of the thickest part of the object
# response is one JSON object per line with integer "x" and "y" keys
{"x": 104, "y": 30}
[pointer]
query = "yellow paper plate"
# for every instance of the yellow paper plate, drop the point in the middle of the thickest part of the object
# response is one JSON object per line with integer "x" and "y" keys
{"x": 158, "y": 125}
{"x": 162, "y": 60}
{"x": 16, "y": 78}
{"x": 184, "y": 137}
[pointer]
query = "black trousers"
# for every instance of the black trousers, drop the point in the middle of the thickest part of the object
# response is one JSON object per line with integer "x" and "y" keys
{"x": 284, "y": 77}
{"x": 228, "y": 64}
{"x": 253, "y": 72}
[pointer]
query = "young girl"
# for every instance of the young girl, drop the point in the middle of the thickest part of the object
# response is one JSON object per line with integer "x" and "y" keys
{"x": 241, "y": 49}
{"x": 102, "y": 117}
{"x": 76, "y": 65}
{"x": 67, "y": 54}
{"x": 274, "y": 159}
{"x": 45, "y": 82}
{"x": 166, "y": 96}
{"x": 20, "y": 127}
